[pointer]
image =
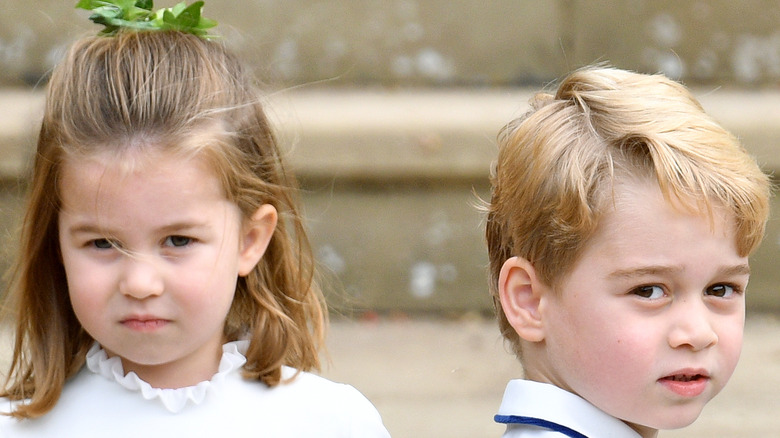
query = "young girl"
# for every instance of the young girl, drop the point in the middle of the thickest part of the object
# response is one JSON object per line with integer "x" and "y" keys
{"x": 165, "y": 284}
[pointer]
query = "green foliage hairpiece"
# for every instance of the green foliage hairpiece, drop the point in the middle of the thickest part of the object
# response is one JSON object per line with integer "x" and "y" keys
{"x": 139, "y": 15}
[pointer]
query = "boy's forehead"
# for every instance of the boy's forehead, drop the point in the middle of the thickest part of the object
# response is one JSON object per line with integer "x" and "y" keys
{"x": 632, "y": 200}
{"x": 642, "y": 232}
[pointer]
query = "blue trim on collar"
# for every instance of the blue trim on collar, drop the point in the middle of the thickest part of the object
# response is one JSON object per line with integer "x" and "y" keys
{"x": 516, "y": 419}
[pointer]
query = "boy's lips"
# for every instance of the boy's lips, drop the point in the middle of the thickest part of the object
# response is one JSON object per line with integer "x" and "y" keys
{"x": 686, "y": 383}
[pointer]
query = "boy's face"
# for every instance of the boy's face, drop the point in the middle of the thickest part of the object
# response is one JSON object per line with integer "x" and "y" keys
{"x": 648, "y": 324}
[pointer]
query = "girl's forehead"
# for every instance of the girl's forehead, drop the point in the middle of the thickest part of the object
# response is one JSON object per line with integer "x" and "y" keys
{"x": 109, "y": 175}
{"x": 111, "y": 183}
{"x": 129, "y": 161}
{"x": 200, "y": 145}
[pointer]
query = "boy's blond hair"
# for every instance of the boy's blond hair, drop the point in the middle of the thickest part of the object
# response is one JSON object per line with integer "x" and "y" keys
{"x": 557, "y": 164}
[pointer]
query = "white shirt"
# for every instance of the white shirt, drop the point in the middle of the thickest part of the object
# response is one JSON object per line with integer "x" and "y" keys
{"x": 102, "y": 401}
{"x": 540, "y": 410}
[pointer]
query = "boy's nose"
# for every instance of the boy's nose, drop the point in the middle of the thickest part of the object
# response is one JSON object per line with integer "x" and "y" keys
{"x": 140, "y": 278}
{"x": 692, "y": 327}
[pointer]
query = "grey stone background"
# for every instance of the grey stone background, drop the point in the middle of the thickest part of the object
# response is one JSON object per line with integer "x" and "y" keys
{"x": 390, "y": 109}
{"x": 445, "y": 43}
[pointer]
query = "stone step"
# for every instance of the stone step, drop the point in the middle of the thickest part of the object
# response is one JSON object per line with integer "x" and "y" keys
{"x": 392, "y": 178}
{"x": 409, "y": 134}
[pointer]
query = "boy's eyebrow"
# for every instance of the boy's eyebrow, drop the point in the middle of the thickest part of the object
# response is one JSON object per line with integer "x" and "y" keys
{"x": 645, "y": 270}
{"x": 740, "y": 269}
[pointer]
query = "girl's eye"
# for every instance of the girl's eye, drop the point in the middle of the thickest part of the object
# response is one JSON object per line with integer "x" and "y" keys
{"x": 721, "y": 291}
{"x": 177, "y": 241}
{"x": 103, "y": 244}
{"x": 650, "y": 292}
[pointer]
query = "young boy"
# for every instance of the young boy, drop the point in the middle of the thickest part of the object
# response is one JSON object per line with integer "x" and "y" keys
{"x": 619, "y": 231}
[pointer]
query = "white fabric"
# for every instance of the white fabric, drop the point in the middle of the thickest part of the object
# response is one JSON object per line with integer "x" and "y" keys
{"x": 173, "y": 399}
{"x": 102, "y": 401}
{"x": 525, "y": 398}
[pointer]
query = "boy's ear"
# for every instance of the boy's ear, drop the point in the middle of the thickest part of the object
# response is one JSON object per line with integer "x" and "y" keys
{"x": 256, "y": 234}
{"x": 520, "y": 292}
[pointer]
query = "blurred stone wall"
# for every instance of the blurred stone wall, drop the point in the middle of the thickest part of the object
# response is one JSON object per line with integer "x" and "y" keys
{"x": 392, "y": 180}
{"x": 390, "y": 110}
{"x": 441, "y": 42}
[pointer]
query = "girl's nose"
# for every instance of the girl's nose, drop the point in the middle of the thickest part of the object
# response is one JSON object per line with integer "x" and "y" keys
{"x": 141, "y": 278}
{"x": 692, "y": 327}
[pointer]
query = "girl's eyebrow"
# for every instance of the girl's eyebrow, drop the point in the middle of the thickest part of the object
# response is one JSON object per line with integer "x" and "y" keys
{"x": 89, "y": 228}
{"x": 181, "y": 226}
{"x": 86, "y": 228}
{"x": 739, "y": 269}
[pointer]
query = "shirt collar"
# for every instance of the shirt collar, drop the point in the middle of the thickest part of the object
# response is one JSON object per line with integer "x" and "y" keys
{"x": 553, "y": 405}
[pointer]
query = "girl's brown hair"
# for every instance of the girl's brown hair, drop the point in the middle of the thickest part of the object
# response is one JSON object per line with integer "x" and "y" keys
{"x": 162, "y": 89}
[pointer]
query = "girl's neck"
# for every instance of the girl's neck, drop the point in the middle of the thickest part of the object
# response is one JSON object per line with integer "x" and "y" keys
{"x": 178, "y": 374}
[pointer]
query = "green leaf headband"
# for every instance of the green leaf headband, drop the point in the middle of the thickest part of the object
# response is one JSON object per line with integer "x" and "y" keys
{"x": 138, "y": 15}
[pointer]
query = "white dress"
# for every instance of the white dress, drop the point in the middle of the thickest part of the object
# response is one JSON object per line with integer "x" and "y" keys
{"x": 101, "y": 401}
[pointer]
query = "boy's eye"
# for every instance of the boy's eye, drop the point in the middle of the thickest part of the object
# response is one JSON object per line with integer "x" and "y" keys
{"x": 177, "y": 241}
{"x": 721, "y": 291}
{"x": 650, "y": 292}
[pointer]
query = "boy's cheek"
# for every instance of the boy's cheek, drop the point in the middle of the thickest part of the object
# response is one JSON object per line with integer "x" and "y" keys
{"x": 730, "y": 339}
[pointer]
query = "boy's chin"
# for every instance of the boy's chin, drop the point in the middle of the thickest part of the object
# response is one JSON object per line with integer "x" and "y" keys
{"x": 678, "y": 420}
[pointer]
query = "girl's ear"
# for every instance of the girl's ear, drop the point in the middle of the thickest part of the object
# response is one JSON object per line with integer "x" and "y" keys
{"x": 256, "y": 234}
{"x": 520, "y": 292}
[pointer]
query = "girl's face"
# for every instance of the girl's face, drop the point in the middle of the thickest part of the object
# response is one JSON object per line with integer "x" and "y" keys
{"x": 152, "y": 257}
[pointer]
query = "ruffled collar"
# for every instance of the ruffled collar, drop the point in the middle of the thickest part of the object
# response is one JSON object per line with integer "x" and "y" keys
{"x": 174, "y": 400}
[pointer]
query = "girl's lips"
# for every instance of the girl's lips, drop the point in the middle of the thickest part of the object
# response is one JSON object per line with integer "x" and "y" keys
{"x": 144, "y": 323}
{"x": 686, "y": 383}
